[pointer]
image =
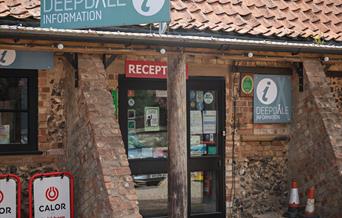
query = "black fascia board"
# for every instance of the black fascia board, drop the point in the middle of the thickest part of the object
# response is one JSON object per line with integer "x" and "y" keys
{"x": 150, "y": 29}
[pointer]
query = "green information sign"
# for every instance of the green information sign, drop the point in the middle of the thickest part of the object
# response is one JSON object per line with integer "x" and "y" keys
{"x": 73, "y": 14}
{"x": 272, "y": 99}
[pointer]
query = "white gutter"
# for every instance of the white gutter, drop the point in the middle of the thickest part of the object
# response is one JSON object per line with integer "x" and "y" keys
{"x": 153, "y": 37}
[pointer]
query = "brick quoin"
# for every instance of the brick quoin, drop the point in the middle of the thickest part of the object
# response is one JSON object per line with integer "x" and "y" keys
{"x": 97, "y": 157}
{"x": 315, "y": 147}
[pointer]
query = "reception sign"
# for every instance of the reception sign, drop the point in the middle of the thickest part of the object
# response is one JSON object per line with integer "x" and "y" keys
{"x": 10, "y": 191}
{"x": 272, "y": 99}
{"x": 147, "y": 69}
{"x": 67, "y": 14}
{"x": 52, "y": 195}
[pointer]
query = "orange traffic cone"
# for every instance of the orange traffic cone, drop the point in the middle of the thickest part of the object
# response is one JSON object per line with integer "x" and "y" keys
{"x": 294, "y": 200}
{"x": 310, "y": 204}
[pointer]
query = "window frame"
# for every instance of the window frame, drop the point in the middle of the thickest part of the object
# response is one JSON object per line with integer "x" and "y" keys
{"x": 32, "y": 110}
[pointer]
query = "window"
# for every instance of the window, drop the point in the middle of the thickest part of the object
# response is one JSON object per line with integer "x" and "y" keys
{"x": 18, "y": 111}
{"x": 147, "y": 135}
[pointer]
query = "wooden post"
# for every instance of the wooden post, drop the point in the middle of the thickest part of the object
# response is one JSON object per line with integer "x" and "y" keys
{"x": 177, "y": 134}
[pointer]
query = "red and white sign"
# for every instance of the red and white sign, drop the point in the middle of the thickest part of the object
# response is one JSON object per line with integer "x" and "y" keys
{"x": 52, "y": 195}
{"x": 147, "y": 69}
{"x": 10, "y": 191}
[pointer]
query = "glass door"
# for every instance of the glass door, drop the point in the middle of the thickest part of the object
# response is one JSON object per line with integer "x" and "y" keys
{"x": 143, "y": 123}
{"x": 206, "y": 117}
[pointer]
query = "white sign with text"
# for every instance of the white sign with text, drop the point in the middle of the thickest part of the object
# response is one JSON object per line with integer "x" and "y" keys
{"x": 52, "y": 197}
{"x": 8, "y": 198}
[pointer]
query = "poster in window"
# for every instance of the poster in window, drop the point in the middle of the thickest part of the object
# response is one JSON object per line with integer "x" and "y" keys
{"x": 131, "y": 114}
{"x": 198, "y": 150}
{"x": 131, "y": 125}
{"x": 161, "y": 93}
{"x": 199, "y": 96}
{"x": 195, "y": 139}
{"x": 208, "y": 97}
{"x": 4, "y": 134}
{"x": 196, "y": 122}
{"x": 146, "y": 152}
{"x": 199, "y": 100}
{"x": 209, "y": 122}
{"x": 151, "y": 118}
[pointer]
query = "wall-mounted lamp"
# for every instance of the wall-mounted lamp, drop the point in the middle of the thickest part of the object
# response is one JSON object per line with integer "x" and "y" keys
{"x": 326, "y": 59}
{"x": 60, "y": 46}
{"x": 162, "y": 51}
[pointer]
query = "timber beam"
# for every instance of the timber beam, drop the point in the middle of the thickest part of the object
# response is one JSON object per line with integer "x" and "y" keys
{"x": 143, "y": 50}
{"x": 177, "y": 137}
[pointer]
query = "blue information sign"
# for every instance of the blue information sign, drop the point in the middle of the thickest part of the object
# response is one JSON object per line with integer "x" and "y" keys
{"x": 12, "y": 59}
{"x": 272, "y": 99}
{"x": 73, "y": 14}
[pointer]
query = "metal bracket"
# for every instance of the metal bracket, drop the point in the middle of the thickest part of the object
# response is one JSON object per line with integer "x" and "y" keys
{"x": 72, "y": 58}
{"x": 162, "y": 28}
{"x": 108, "y": 61}
{"x": 300, "y": 72}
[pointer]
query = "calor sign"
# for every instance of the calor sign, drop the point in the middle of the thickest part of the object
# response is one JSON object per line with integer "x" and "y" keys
{"x": 52, "y": 197}
{"x": 9, "y": 196}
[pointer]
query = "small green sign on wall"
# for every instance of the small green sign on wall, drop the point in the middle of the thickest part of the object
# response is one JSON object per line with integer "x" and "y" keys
{"x": 247, "y": 84}
{"x": 73, "y": 14}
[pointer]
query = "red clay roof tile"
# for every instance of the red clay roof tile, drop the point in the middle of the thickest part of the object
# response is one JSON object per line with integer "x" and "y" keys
{"x": 279, "y": 18}
{"x": 3, "y": 7}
